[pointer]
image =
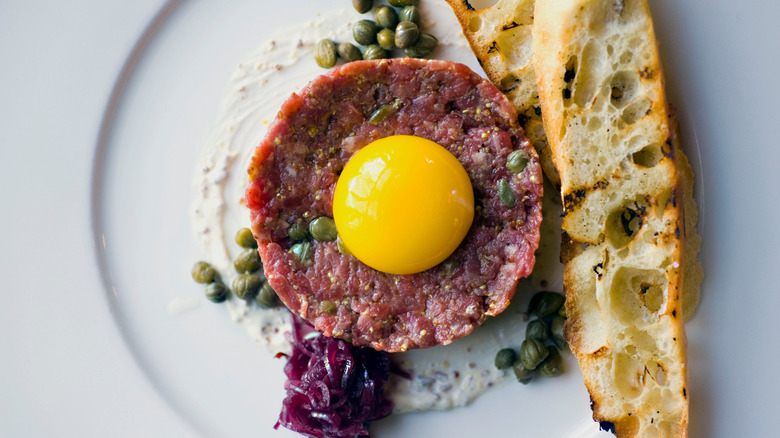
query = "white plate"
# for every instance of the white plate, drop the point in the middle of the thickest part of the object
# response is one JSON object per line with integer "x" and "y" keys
{"x": 720, "y": 73}
{"x": 208, "y": 369}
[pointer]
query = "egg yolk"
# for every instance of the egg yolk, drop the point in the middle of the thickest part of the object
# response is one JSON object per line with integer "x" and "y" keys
{"x": 403, "y": 204}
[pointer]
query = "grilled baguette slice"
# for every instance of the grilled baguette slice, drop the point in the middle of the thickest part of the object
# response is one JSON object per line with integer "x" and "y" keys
{"x": 605, "y": 114}
{"x": 500, "y": 37}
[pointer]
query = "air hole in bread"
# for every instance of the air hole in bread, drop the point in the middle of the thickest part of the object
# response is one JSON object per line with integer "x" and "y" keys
{"x": 648, "y": 156}
{"x": 663, "y": 200}
{"x": 640, "y": 341}
{"x": 636, "y": 110}
{"x": 623, "y": 224}
{"x": 586, "y": 84}
{"x": 508, "y": 82}
{"x": 637, "y": 295}
{"x": 482, "y": 4}
{"x": 650, "y": 239}
{"x": 594, "y": 124}
{"x": 626, "y": 57}
{"x": 475, "y": 24}
{"x": 571, "y": 70}
{"x": 629, "y": 374}
{"x": 623, "y": 88}
{"x": 568, "y": 79}
{"x": 605, "y": 13}
{"x": 617, "y": 7}
{"x": 658, "y": 373}
{"x": 652, "y": 295}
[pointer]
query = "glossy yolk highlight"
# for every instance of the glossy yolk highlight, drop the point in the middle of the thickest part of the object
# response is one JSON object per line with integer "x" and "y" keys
{"x": 403, "y": 204}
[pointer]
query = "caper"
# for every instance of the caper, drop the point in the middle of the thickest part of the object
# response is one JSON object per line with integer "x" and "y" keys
{"x": 266, "y": 297}
{"x": 386, "y": 39}
{"x": 505, "y": 194}
{"x": 553, "y": 365}
{"x": 425, "y": 44}
{"x": 532, "y": 353}
{"x": 363, "y": 6}
{"x": 505, "y": 358}
{"x": 342, "y": 247}
{"x": 562, "y": 311}
{"x": 217, "y": 292}
{"x": 545, "y": 303}
{"x": 245, "y": 239}
{"x": 556, "y": 329}
{"x": 365, "y": 32}
{"x": 302, "y": 250}
{"x": 298, "y": 232}
{"x": 245, "y": 286}
{"x": 383, "y": 112}
{"x": 401, "y": 3}
{"x": 374, "y": 52}
{"x": 537, "y": 330}
{"x": 410, "y": 13}
{"x": 406, "y": 34}
{"x": 385, "y": 17}
{"x": 247, "y": 261}
{"x": 325, "y": 53}
{"x": 517, "y": 160}
{"x": 328, "y": 307}
{"x": 449, "y": 265}
{"x": 323, "y": 229}
{"x": 349, "y": 52}
{"x": 523, "y": 374}
{"x": 203, "y": 272}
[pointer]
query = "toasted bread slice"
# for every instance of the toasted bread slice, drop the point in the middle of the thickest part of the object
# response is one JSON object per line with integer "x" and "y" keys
{"x": 605, "y": 114}
{"x": 500, "y": 37}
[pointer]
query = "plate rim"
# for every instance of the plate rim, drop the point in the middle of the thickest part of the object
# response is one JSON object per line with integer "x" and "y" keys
{"x": 96, "y": 179}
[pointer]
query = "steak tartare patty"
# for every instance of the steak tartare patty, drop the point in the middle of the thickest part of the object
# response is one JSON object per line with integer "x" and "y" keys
{"x": 293, "y": 176}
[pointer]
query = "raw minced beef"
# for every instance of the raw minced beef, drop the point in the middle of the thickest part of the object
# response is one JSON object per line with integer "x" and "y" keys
{"x": 294, "y": 172}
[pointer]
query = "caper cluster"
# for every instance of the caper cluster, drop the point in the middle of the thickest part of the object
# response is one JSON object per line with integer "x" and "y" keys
{"x": 396, "y": 25}
{"x": 516, "y": 163}
{"x": 250, "y": 284}
{"x": 321, "y": 229}
{"x": 539, "y": 353}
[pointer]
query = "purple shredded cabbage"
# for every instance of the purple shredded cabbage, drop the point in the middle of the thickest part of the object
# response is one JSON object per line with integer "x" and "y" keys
{"x": 334, "y": 389}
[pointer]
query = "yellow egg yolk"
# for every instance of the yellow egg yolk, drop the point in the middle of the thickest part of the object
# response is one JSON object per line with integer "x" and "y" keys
{"x": 403, "y": 204}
